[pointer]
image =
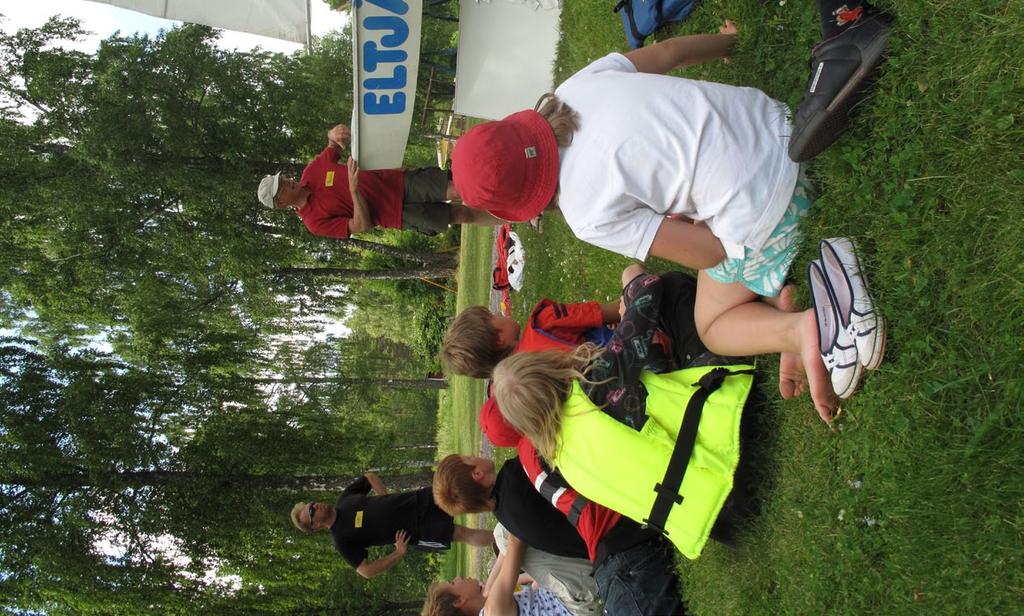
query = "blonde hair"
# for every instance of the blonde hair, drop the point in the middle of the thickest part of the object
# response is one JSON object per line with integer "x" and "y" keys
{"x": 470, "y": 346}
{"x": 564, "y": 122}
{"x": 440, "y": 602}
{"x": 563, "y": 119}
{"x": 530, "y": 389}
{"x": 296, "y": 510}
{"x": 455, "y": 490}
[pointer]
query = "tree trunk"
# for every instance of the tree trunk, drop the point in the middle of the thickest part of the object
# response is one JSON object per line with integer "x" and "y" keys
{"x": 268, "y": 229}
{"x": 406, "y": 482}
{"x": 400, "y": 608}
{"x": 428, "y": 258}
{"x": 254, "y": 167}
{"x": 322, "y": 483}
{"x": 344, "y": 380}
{"x": 357, "y": 274}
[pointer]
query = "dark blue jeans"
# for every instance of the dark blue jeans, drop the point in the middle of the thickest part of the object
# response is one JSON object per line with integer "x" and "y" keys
{"x": 641, "y": 581}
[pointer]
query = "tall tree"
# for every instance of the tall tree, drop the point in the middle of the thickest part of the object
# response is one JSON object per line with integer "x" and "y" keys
{"x": 129, "y": 205}
{"x": 136, "y": 458}
{"x": 108, "y": 480}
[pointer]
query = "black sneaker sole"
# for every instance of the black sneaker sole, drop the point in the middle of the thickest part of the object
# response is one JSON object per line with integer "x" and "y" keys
{"x": 825, "y": 126}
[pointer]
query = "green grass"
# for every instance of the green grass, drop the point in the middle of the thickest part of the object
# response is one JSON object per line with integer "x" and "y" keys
{"x": 915, "y": 504}
{"x": 458, "y": 429}
{"x": 465, "y": 395}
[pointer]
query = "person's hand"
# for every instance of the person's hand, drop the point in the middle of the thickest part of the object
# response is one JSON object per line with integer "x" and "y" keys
{"x": 340, "y": 135}
{"x": 401, "y": 542}
{"x": 728, "y": 27}
{"x": 353, "y": 174}
{"x": 622, "y": 309}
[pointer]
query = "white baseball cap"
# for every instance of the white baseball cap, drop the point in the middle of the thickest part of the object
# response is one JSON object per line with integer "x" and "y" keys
{"x": 268, "y": 189}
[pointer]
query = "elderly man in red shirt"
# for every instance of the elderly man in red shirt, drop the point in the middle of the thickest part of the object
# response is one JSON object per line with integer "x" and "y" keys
{"x": 336, "y": 200}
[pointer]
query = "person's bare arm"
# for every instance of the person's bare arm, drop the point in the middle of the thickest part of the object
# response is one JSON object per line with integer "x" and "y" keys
{"x": 372, "y": 568}
{"x": 500, "y": 600}
{"x": 610, "y": 312}
{"x": 493, "y": 575}
{"x": 687, "y": 244}
{"x": 376, "y": 484}
{"x": 361, "y": 219}
{"x": 683, "y": 51}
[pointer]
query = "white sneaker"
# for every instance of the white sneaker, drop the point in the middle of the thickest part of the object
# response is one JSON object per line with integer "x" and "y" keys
{"x": 856, "y": 309}
{"x": 516, "y": 261}
{"x": 837, "y": 348}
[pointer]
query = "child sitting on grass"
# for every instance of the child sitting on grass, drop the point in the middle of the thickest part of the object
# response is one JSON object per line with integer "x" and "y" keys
{"x": 660, "y": 449}
{"x": 632, "y": 567}
{"x": 624, "y": 151}
{"x": 478, "y": 339}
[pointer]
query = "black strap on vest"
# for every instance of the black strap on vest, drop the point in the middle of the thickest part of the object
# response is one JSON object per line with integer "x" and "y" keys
{"x": 576, "y": 510}
{"x": 668, "y": 489}
{"x": 552, "y": 483}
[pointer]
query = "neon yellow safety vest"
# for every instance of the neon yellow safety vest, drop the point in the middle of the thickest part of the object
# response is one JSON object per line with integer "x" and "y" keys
{"x": 633, "y": 472}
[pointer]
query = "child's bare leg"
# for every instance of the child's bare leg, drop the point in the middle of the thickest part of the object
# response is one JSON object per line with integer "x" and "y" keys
{"x": 630, "y": 272}
{"x": 731, "y": 323}
{"x": 792, "y": 380}
{"x": 786, "y": 297}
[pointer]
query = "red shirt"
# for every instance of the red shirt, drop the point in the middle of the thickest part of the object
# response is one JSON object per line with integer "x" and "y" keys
{"x": 592, "y": 521}
{"x": 329, "y": 207}
{"x": 558, "y": 326}
{"x": 550, "y": 326}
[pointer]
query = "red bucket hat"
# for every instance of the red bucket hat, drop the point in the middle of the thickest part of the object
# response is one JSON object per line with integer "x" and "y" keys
{"x": 509, "y": 168}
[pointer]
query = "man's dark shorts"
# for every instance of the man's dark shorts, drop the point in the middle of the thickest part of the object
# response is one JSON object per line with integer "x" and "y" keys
{"x": 425, "y": 209}
{"x": 436, "y": 528}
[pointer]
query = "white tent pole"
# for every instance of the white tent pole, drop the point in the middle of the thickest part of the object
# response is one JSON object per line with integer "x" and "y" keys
{"x": 309, "y": 28}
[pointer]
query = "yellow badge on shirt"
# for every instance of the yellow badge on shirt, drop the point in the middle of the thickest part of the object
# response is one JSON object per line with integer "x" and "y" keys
{"x": 330, "y": 179}
{"x": 359, "y": 519}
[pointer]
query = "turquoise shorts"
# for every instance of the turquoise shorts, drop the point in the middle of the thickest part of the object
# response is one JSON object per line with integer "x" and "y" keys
{"x": 764, "y": 271}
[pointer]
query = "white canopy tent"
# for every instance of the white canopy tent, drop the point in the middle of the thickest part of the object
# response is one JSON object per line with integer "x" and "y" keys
{"x": 282, "y": 19}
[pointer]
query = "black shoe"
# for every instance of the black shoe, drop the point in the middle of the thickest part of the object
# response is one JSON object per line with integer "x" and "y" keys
{"x": 839, "y": 67}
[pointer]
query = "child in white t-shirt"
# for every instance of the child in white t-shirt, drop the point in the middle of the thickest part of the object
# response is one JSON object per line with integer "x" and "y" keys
{"x": 646, "y": 164}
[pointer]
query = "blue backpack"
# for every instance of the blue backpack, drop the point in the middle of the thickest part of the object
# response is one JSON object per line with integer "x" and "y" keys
{"x": 641, "y": 18}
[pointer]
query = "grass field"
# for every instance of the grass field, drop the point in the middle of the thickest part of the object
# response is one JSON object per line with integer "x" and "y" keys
{"x": 916, "y": 503}
{"x": 458, "y": 429}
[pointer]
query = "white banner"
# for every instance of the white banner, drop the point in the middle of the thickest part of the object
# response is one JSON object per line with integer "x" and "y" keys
{"x": 281, "y": 19}
{"x": 506, "y": 56}
{"x": 385, "y": 64}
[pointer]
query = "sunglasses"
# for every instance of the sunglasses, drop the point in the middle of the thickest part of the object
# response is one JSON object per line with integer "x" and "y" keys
{"x": 311, "y": 512}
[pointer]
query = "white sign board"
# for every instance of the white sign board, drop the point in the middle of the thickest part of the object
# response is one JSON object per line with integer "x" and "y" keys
{"x": 506, "y": 57}
{"x": 385, "y": 63}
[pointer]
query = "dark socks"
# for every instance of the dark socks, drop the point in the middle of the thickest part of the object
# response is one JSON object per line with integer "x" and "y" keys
{"x": 836, "y": 15}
